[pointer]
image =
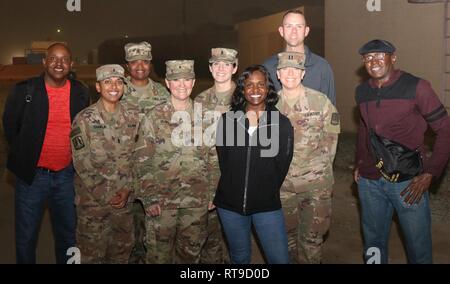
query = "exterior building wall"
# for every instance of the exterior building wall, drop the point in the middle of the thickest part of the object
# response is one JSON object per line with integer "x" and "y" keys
{"x": 417, "y": 31}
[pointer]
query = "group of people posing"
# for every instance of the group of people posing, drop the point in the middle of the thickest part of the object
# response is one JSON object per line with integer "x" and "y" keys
{"x": 149, "y": 175}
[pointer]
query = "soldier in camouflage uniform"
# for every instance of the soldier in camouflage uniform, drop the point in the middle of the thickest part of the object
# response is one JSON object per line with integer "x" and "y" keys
{"x": 102, "y": 139}
{"x": 222, "y": 65}
{"x": 141, "y": 91}
{"x": 307, "y": 190}
{"x": 171, "y": 170}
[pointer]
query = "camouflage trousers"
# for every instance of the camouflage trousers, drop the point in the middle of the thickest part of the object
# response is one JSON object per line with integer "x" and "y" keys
{"x": 104, "y": 234}
{"x": 139, "y": 251}
{"x": 214, "y": 251}
{"x": 176, "y": 236}
{"x": 307, "y": 216}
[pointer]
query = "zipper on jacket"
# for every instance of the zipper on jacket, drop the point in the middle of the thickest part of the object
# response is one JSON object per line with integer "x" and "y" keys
{"x": 247, "y": 170}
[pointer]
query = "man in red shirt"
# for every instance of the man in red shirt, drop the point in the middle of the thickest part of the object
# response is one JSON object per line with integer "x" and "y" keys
{"x": 37, "y": 122}
{"x": 397, "y": 106}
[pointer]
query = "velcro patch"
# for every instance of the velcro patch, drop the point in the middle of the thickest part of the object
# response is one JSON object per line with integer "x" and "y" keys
{"x": 75, "y": 132}
{"x": 335, "y": 118}
{"x": 78, "y": 142}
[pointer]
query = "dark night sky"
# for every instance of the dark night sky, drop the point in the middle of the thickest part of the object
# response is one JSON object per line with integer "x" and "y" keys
{"x": 23, "y": 21}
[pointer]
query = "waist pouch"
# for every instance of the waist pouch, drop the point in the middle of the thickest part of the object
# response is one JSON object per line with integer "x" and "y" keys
{"x": 395, "y": 161}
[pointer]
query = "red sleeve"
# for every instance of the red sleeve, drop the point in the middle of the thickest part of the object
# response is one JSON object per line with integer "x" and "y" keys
{"x": 437, "y": 118}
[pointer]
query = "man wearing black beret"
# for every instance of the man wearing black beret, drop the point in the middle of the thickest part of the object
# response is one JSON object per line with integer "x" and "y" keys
{"x": 396, "y": 108}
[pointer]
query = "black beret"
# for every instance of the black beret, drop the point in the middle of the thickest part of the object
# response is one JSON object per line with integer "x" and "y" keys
{"x": 377, "y": 45}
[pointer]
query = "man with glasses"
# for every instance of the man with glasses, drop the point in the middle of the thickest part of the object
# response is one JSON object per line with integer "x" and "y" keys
{"x": 37, "y": 120}
{"x": 399, "y": 107}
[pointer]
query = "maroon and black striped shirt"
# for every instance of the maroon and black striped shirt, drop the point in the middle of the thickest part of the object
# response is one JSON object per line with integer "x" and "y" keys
{"x": 401, "y": 110}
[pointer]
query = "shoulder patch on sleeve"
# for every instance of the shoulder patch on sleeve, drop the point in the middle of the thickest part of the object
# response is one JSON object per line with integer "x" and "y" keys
{"x": 335, "y": 118}
{"x": 78, "y": 142}
{"x": 74, "y": 132}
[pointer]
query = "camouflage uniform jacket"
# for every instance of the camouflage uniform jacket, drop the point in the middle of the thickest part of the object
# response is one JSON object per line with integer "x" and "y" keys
{"x": 102, "y": 146}
{"x": 316, "y": 128}
{"x": 221, "y": 103}
{"x": 171, "y": 174}
{"x": 153, "y": 94}
{"x": 211, "y": 100}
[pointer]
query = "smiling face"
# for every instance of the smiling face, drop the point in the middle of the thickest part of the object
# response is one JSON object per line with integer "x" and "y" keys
{"x": 139, "y": 70}
{"x": 222, "y": 71}
{"x": 255, "y": 91}
{"x": 57, "y": 64}
{"x": 180, "y": 89}
{"x": 290, "y": 77}
{"x": 379, "y": 66}
{"x": 294, "y": 30}
{"x": 110, "y": 89}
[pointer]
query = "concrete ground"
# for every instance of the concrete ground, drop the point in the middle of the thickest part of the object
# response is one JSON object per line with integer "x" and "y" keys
{"x": 344, "y": 241}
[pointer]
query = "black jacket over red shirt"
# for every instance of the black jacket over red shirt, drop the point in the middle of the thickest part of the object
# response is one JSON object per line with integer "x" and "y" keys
{"x": 25, "y": 121}
{"x": 401, "y": 110}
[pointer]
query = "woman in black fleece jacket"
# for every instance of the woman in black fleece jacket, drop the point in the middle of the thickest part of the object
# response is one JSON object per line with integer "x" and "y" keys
{"x": 254, "y": 147}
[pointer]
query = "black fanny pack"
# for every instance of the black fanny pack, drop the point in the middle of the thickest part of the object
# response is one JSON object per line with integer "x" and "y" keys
{"x": 395, "y": 161}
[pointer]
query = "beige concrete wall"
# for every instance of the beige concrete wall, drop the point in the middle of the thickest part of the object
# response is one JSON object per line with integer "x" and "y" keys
{"x": 415, "y": 29}
{"x": 315, "y": 19}
{"x": 259, "y": 39}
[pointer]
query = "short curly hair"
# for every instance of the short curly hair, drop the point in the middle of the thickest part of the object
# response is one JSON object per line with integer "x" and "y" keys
{"x": 238, "y": 103}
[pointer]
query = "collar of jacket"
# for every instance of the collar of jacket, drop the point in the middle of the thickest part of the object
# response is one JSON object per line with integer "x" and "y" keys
{"x": 75, "y": 85}
{"x": 264, "y": 121}
{"x": 311, "y": 58}
{"x": 392, "y": 79}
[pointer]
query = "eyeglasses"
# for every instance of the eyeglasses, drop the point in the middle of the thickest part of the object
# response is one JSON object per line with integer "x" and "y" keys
{"x": 374, "y": 56}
